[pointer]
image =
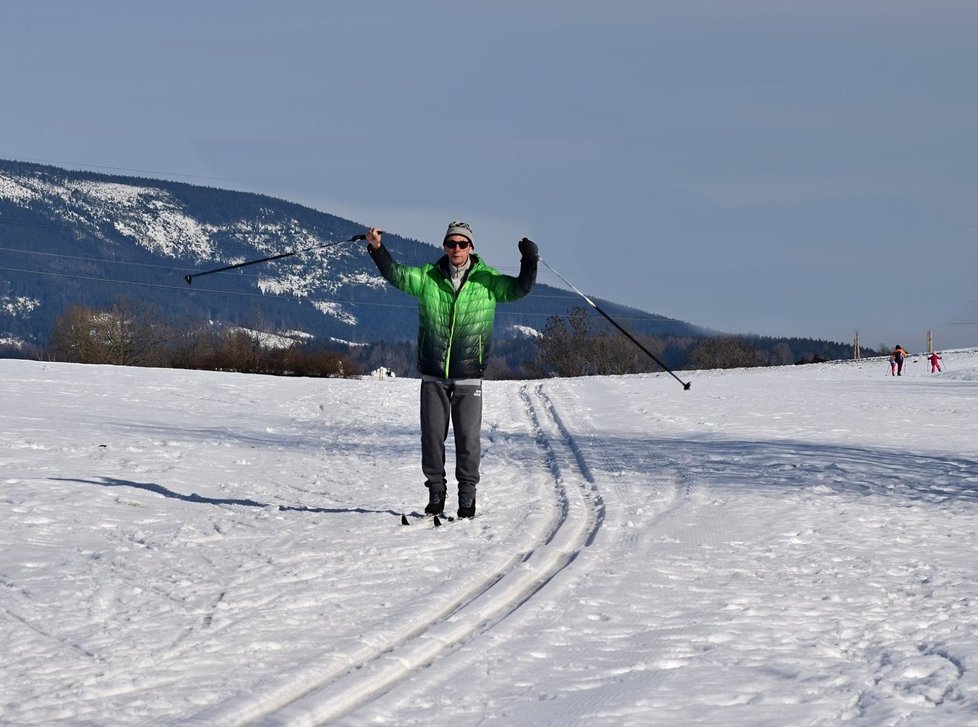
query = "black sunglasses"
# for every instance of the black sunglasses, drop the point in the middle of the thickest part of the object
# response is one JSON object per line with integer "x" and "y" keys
{"x": 463, "y": 244}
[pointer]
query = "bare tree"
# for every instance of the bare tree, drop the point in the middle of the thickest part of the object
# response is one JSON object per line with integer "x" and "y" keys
{"x": 562, "y": 350}
{"x": 127, "y": 334}
{"x": 781, "y": 354}
{"x": 73, "y": 336}
{"x": 579, "y": 345}
{"x": 193, "y": 344}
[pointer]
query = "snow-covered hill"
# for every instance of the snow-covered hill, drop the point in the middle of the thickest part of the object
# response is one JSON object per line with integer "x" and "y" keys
{"x": 775, "y": 546}
{"x": 71, "y": 237}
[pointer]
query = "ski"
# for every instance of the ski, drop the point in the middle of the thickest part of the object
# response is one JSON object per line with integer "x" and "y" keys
{"x": 436, "y": 520}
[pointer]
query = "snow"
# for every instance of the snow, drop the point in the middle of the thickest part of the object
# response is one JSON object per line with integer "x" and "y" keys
{"x": 272, "y": 341}
{"x": 790, "y": 545}
{"x": 149, "y": 215}
{"x": 526, "y": 331}
{"x": 332, "y": 308}
{"x": 11, "y": 189}
{"x": 15, "y": 306}
{"x": 157, "y": 221}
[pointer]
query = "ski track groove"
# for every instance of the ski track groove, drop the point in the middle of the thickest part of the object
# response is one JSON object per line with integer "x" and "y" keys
{"x": 325, "y": 695}
{"x": 596, "y": 502}
{"x": 600, "y": 459}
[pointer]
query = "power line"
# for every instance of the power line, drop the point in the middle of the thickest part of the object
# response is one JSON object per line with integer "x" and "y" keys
{"x": 254, "y": 276}
{"x": 415, "y": 260}
{"x": 37, "y": 225}
{"x": 88, "y": 277}
{"x": 273, "y": 296}
{"x": 25, "y": 223}
{"x": 89, "y": 259}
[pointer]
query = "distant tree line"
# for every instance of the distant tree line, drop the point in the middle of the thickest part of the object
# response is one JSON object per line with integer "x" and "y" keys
{"x": 580, "y": 344}
{"x": 131, "y": 334}
{"x": 577, "y": 344}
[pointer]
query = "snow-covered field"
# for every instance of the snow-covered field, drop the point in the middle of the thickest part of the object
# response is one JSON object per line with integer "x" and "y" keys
{"x": 786, "y": 546}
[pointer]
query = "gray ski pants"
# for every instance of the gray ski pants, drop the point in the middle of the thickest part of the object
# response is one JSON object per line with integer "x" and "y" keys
{"x": 459, "y": 402}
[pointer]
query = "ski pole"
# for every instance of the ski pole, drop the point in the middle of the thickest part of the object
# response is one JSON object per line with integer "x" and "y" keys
{"x": 629, "y": 336}
{"x": 189, "y": 277}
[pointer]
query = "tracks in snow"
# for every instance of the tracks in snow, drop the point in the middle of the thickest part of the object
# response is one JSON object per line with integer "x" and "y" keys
{"x": 321, "y": 693}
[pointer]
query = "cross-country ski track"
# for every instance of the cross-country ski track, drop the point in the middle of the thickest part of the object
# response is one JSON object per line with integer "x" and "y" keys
{"x": 322, "y": 693}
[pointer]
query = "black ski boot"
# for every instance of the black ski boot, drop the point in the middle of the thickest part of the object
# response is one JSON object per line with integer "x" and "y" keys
{"x": 436, "y": 499}
{"x": 466, "y": 506}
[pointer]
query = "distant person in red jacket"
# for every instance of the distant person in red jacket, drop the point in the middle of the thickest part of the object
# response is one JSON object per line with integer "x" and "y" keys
{"x": 935, "y": 359}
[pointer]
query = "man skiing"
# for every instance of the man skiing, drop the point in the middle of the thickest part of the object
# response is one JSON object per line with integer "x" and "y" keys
{"x": 457, "y": 298}
{"x": 897, "y": 358}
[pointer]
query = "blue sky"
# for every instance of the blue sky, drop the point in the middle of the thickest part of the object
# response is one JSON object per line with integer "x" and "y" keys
{"x": 781, "y": 168}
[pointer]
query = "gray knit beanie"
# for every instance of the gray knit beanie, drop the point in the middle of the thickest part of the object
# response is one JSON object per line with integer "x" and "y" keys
{"x": 460, "y": 228}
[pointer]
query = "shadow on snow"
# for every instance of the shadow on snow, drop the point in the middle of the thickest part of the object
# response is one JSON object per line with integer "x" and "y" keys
{"x": 793, "y": 465}
{"x": 201, "y": 500}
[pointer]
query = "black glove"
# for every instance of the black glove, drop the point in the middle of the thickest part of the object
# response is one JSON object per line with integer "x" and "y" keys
{"x": 529, "y": 249}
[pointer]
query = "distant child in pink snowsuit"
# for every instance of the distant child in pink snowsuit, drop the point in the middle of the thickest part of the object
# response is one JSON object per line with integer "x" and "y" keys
{"x": 934, "y": 358}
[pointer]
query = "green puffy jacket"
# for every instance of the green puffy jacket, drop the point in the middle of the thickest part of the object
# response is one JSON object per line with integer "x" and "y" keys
{"x": 455, "y": 329}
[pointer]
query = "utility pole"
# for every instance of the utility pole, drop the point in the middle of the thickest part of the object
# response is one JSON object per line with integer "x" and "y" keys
{"x": 930, "y": 342}
{"x": 856, "y": 353}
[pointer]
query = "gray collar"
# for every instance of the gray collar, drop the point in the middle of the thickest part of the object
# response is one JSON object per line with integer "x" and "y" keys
{"x": 457, "y": 275}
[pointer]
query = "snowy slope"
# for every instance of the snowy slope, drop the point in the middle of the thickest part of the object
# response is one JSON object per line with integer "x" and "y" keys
{"x": 775, "y": 546}
{"x": 80, "y": 238}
